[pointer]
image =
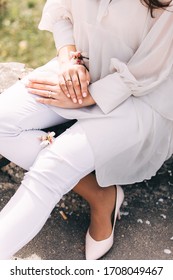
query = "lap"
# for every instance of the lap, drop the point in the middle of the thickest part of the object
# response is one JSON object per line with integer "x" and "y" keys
{"x": 18, "y": 107}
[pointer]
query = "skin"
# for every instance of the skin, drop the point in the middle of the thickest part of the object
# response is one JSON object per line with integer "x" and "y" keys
{"x": 72, "y": 82}
{"x": 77, "y": 88}
{"x": 75, "y": 94}
{"x": 43, "y": 87}
{"x": 102, "y": 203}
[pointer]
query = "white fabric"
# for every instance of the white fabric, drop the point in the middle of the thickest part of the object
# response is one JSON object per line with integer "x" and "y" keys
{"x": 132, "y": 136}
{"x": 53, "y": 170}
{"x": 142, "y": 142}
{"x": 62, "y": 30}
{"x": 130, "y": 54}
{"x": 123, "y": 43}
{"x": 129, "y": 139}
{"x": 22, "y": 119}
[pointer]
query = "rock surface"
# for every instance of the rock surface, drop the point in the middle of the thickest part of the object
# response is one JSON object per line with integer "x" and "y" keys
{"x": 10, "y": 72}
{"x": 144, "y": 232}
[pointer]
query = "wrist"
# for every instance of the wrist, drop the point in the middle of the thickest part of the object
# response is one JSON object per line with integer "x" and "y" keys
{"x": 69, "y": 54}
{"x": 64, "y": 54}
{"x": 77, "y": 58}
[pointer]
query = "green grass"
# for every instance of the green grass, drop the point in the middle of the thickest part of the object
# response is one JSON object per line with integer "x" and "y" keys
{"x": 20, "y": 39}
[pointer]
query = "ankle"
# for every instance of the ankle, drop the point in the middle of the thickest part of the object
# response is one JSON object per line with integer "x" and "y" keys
{"x": 105, "y": 200}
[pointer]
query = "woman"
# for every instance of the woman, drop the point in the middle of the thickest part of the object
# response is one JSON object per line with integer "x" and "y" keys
{"x": 114, "y": 68}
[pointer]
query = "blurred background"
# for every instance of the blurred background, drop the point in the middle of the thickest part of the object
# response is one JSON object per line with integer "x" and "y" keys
{"x": 20, "y": 39}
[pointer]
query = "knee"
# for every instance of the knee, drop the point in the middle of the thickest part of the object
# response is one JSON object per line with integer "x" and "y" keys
{"x": 53, "y": 173}
{"x": 9, "y": 118}
{"x": 8, "y": 125}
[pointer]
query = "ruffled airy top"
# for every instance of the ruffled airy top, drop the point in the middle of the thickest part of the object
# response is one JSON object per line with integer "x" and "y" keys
{"x": 130, "y": 53}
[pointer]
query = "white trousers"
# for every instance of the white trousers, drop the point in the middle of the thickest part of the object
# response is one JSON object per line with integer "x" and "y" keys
{"x": 52, "y": 171}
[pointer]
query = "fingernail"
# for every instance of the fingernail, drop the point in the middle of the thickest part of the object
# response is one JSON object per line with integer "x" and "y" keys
{"x": 68, "y": 95}
{"x": 74, "y": 100}
{"x": 84, "y": 94}
{"x": 80, "y": 101}
{"x": 88, "y": 83}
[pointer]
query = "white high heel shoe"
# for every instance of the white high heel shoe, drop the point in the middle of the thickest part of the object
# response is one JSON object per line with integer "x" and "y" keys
{"x": 96, "y": 249}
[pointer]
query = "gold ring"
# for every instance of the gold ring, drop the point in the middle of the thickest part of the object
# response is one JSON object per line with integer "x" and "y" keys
{"x": 50, "y": 94}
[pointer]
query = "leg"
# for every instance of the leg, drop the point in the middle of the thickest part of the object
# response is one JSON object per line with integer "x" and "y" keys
{"x": 57, "y": 169}
{"x": 101, "y": 201}
{"x": 21, "y": 119}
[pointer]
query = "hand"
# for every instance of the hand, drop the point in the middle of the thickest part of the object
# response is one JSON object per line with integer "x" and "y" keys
{"x": 73, "y": 81}
{"x": 51, "y": 94}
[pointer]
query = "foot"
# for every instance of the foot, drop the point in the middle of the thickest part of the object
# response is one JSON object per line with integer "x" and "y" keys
{"x": 101, "y": 214}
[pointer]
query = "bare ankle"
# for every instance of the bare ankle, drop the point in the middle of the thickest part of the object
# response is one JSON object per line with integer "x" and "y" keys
{"x": 101, "y": 213}
{"x": 105, "y": 199}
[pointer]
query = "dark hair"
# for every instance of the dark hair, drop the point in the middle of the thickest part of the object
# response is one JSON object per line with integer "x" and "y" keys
{"x": 155, "y": 4}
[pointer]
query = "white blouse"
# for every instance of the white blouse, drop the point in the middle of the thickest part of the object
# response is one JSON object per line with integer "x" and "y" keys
{"x": 129, "y": 52}
{"x": 130, "y": 55}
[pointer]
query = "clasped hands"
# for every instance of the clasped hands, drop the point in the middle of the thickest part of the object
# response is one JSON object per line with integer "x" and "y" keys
{"x": 68, "y": 90}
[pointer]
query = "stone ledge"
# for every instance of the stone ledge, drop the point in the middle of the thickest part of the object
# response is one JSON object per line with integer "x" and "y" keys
{"x": 10, "y": 72}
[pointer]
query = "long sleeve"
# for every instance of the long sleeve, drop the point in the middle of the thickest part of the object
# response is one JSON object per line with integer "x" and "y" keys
{"x": 149, "y": 67}
{"x": 57, "y": 18}
{"x": 113, "y": 89}
{"x": 161, "y": 98}
{"x": 109, "y": 92}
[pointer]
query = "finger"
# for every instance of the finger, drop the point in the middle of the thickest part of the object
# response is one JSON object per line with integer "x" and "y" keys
{"x": 70, "y": 88}
{"x": 88, "y": 77}
{"x": 42, "y": 81}
{"x": 77, "y": 88}
{"x": 57, "y": 103}
{"x": 83, "y": 83}
{"x": 47, "y": 94}
{"x": 51, "y": 102}
{"x": 63, "y": 86}
{"x": 43, "y": 87}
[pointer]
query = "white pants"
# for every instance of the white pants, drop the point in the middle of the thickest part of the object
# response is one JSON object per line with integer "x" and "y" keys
{"x": 53, "y": 170}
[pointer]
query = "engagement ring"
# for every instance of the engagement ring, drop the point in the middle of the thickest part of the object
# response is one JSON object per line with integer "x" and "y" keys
{"x": 68, "y": 80}
{"x": 50, "y": 94}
